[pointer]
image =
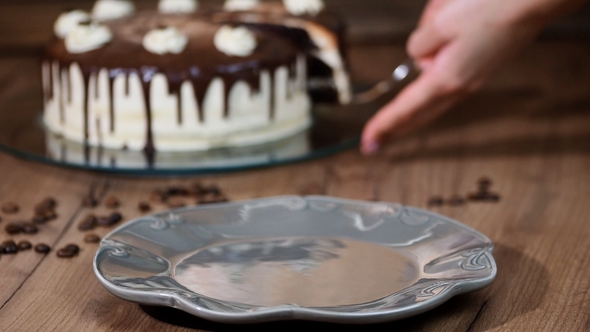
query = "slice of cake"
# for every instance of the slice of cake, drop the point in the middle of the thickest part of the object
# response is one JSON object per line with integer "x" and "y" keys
{"x": 185, "y": 78}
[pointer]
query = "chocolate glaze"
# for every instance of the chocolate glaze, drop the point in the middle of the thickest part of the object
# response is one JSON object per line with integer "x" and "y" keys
{"x": 199, "y": 63}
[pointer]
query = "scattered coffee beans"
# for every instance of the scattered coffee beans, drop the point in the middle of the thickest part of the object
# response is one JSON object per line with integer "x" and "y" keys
{"x": 8, "y": 247}
{"x": 112, "y": 202}
{"x": 177, "y": 191}
{"x": 38, "y": 219}
{"x": 484, "y": 183}
{"x": 48, "y": 204}
{"x": 144, "y": 207}
{"x": 456, "y": 200}
{"x": 24, "y": 245}
{"x": 158, "y": 196}
{"x": 42, "y": 248}
{"x": 484, "y": 196}
{"x": 88, "y": 223}
{"x": 108, "y": 221}
{"x": 10, "y": 208}
{"x": 69, "y": 251}
{"x": 92, "y": 238}
{"x": 13, "y": 229}
{"x": 436, "y": 201}
{"x": 29, "y": 228}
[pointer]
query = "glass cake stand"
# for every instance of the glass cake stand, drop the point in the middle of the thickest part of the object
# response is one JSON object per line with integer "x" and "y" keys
{"x": 334, "y": 129}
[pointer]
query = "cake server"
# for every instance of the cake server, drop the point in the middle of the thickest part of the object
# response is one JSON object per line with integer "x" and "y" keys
{"x": 404, "y": 72}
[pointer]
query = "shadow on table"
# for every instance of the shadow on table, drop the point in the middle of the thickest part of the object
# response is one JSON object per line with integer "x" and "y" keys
{"x": 512, "y": 294}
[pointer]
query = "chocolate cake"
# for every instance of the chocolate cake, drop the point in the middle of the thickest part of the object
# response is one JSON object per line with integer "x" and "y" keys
{"x": 182, "y": 78}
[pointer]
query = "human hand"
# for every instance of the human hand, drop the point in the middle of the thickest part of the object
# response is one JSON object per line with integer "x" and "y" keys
{"x": 458, "y": 44}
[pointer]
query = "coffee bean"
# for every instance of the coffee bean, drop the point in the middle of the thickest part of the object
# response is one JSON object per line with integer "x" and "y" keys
{"x": 46, "y": 205}
{"x": 484, "y": 196}
{"x": 63, "y": 253}
{"x": 177, "y": 191}
{"x": 10, "y": 208}
{"x": 112, "y": 202}
{"x": 13, "y": 228}
{"x": 24, "y": 245}
{"x": 493, "y": 198}
{"x": 157, "y": 196}
{"x": 88, "y": 223}
{"x": 8, "y": 247}
{"x": 29, "y": 229}
{"x": 50, "y": 215}
{"x": 42, "y": 248}
{"x": 484, "y": 183}
{"x": 456, "y": 201}
{"x": 92, "y": 238}
{"x": 73, "y": 248}
{"x": 115, "y": 218}
{"x": 477, "y": 197}
{"x": 89, "y": 201}
{"x": 436, "y": 201}
{"x": 38, "y": 219}
{"x": 108, "y": 221}
{"x": 103, "y": 221}
{"x": 68, "y": 251}
{"x": 144, "y": 207}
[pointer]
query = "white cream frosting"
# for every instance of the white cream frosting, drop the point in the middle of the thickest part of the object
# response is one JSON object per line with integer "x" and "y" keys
{"x": 240, "y": 4}
{"x": 247, "y": 121}
{"x": 301, "y": 7}
{"x": 105, "y": 10}
{"x": 87, "y": 37}
{"x": 178, "y": 6}
{"x": 235, "y": 41}
{"x": 167, "y": 40}
{"x": 67, "y": 21}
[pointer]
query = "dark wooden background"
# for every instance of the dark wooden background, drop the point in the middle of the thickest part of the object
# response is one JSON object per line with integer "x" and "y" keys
{"x": 25, "y": 25}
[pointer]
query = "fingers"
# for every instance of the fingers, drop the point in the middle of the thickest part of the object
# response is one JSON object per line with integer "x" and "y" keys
{"x": 417, "y": 105}
{"x": 424, "y": 43}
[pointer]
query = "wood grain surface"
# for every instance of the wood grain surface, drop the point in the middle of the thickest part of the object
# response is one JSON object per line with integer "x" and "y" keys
{"x": 528, "y": 130}
{"x": 25, "y": 25}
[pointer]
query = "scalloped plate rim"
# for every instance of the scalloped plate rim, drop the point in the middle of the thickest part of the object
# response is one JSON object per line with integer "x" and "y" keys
{"x": 293, "y": 312}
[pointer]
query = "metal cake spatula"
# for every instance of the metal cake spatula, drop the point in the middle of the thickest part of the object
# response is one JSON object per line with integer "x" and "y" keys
{"x": 402, "y": 73}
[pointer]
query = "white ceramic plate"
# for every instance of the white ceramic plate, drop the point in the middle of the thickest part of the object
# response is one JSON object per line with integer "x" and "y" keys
{"x": 284, "y": 258}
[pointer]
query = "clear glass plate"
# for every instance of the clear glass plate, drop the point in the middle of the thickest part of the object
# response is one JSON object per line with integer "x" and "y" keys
{"x": 284, "y": 258}
{"x": 334, "y": 129}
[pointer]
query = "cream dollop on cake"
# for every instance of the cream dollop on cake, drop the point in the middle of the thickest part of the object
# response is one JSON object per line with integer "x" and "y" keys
{"x": 235, "y": 41}
{"x": 165, "y": 40}
{"x": 240, "y": 4}
{"x": 87, "y": 37}
{"x": 105, "y": 10}
{"x": 66, "y": 22}
{"x": 178, "y": 6}
{"x": 303, "y": 7}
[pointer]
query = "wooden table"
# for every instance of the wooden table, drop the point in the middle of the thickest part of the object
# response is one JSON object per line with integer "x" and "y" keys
{"x": 528, "y": 130}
